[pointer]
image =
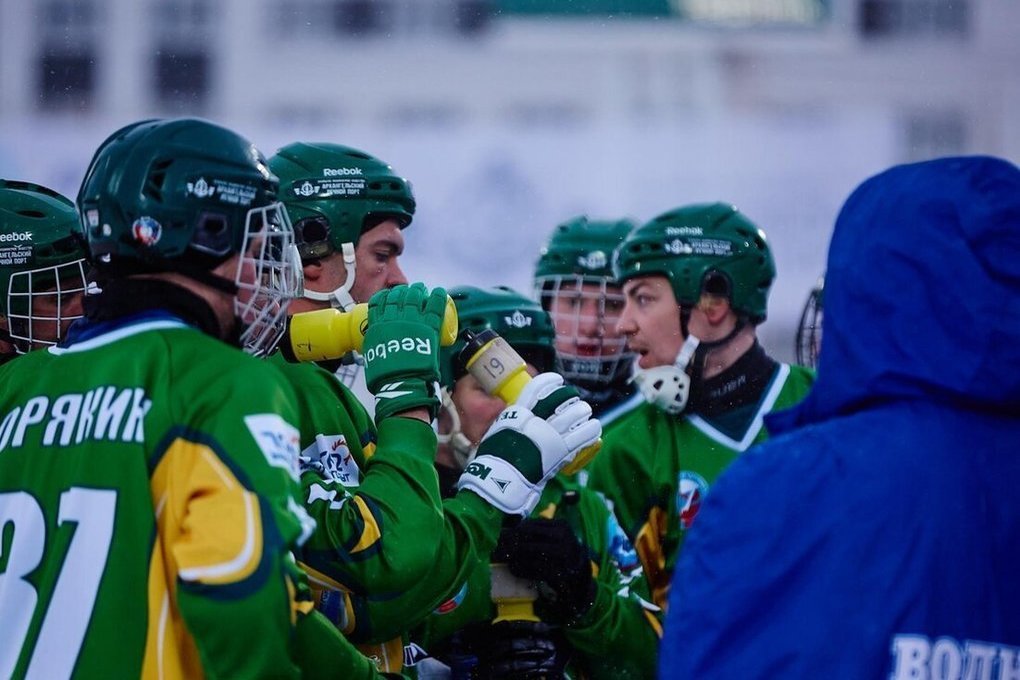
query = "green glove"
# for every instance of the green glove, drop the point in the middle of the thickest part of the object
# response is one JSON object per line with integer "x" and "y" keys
{"x": 401, "y": 348}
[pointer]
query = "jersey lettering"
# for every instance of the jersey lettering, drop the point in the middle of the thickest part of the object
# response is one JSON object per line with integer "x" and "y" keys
{"x": 110, "y": 413}
{"x": 917, "y": 656}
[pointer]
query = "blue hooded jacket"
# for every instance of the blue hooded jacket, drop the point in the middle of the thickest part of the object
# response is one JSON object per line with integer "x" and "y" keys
{"x": 877, "y": 534}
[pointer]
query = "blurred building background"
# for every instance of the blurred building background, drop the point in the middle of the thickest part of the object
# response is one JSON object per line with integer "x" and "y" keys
{"x": 510, "y": 116}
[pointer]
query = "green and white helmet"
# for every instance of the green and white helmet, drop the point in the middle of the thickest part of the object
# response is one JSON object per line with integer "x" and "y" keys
{"x": 42, "y": 264}
{"x": 576, "y": 268}
{"x": 185, "y": 195}
{"x": 704, "y": 248}
{"x": 334, "y": 194}
{"x": 809, "y": 330}
{"x": 516, "y": 318}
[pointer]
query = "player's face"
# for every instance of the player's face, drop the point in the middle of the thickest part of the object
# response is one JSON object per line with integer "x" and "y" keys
{"x": 651, "y": 321}
{"x": 477, "y": 408}
{"x": 54, "y": 314}
{"x": 376, "y": 260}
{"x": 585, "y": 317}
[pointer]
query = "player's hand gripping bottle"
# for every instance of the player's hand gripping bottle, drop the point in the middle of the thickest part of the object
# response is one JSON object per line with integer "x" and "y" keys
{"x": 503, "y": 373}
{"x": 329, "y": 333}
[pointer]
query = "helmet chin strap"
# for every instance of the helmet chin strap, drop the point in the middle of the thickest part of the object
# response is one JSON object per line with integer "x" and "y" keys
{"x": 341, "y": 297}
{"x": 459, "y": 444}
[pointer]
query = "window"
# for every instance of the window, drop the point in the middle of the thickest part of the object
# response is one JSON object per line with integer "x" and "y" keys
{"x": 66, "y": 62}
{"x": 884, "y": 18}
{"x": 362, "y": 17}
{"x": 181, "y": 79}
{"x": 66, "y": 81}
{"x": 181, "y": 70}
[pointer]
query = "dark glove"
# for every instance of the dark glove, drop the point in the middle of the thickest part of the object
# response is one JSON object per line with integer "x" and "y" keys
{"x": 518, "y": 649}
{"x": 547, "y": 550}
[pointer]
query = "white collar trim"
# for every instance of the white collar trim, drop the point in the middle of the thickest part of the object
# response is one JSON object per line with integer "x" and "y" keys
{"x": 117, "y": 334}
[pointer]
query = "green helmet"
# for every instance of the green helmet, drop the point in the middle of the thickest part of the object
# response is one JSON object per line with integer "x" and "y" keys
{"x": 166, "y": 192}
{"x": 708, "y": 247}
{"x": 184, "y": 195}
{"x": 334, "y": 193}
{"x": 516, "y": 318}
{"x": 591, "y": 354}
{"x": 809, "y": 330}
{"x": 41, "y": 260}
{"x": 581, "y": 247}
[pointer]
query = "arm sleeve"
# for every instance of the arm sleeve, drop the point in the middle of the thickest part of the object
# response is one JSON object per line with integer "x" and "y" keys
{"x": 379, "y": 539}
{"x": 621, "y": 621}
{"x": 470, "y": 532}
{"x": 323, "y": 653}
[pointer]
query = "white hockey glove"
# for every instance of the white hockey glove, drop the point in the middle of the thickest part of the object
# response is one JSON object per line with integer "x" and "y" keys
{"x": 529, "y": 443}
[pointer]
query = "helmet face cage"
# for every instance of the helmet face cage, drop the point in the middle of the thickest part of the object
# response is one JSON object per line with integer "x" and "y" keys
{"x": 269, "y": 276}
{"x": 809, "y": 330}
{"x": 589, "y": 360}
{"x": 36, "y": 301}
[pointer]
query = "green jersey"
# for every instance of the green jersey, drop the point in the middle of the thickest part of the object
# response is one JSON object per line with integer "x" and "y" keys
{"x": 387, "y": 549}
{"x": 656, "y": 469}
{"x": 620, "y": 620}
{"x": 148, "y": 485}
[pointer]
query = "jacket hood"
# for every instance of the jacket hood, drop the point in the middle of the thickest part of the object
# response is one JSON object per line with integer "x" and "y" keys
{"x": 922, "y": 293}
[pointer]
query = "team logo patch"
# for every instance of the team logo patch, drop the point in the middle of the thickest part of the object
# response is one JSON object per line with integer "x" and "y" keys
{"x": 147, "y": 231}
{"x": 277, "y": 439}
{"x": 201, "y": 188}
{"x": 518, "y": 320}
{"x": 453, "y": 602}
{"x": 691, "y": 489}
{"x": 306, "y": 189}
{"x": 596, "y": 259}
{"x": 337, "y": 459}
{"x": 414, "y": 654}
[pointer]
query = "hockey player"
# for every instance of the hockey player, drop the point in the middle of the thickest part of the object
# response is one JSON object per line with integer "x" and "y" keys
{"x": 877, "y": 535}
{"x": 809, "y": 331}
{"x": 42, "y": 267}
{"x": 574, "y": 281}
{"x": 349, "y": 211}
{"x": 373, "y": 491}
{"x": 593, "y": 621}
{"x": 148, "y": 476}
{"x": 696, "y": 281}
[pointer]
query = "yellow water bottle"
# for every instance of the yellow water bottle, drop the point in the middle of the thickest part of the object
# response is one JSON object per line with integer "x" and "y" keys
{"x": 503, "y": 373}
{"x": 513, "y": 596}
{"x": 329, "y": 333}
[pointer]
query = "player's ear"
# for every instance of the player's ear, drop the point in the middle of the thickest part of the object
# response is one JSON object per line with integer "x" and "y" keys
{"x": 313, "y": 270}
{"x": 714, "y": 307}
